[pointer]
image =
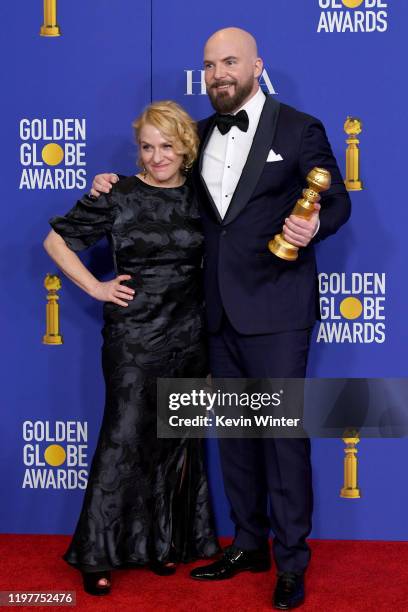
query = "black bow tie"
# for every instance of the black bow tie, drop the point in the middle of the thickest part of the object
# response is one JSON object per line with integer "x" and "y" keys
{"x": 225, "y": 122}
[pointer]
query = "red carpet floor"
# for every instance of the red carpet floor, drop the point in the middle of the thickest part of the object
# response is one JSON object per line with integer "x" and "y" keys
{"x": 343, "y": 576}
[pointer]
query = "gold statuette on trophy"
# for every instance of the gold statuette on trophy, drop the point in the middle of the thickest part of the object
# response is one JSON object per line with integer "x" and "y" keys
{"x": 53, "y": 284}
{"x": 50, "y": 26}
{"x": 353, "y": 127}
{"x": 318, "y": 180}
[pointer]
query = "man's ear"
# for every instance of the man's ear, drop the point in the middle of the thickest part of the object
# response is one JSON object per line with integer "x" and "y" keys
{"x": 258, "y": 67}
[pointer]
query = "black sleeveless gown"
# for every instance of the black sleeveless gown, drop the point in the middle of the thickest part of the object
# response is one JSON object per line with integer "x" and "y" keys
{"x": 147, "y": 498}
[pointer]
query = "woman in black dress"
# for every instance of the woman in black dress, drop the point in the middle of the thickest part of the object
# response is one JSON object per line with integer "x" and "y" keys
{"x": 147, "y": 499}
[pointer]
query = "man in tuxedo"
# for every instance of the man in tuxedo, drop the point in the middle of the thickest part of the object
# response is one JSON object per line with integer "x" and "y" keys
{"x": 254, "y": 157}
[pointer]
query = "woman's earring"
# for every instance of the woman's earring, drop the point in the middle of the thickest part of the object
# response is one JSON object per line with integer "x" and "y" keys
{"x": 144, "y": 172}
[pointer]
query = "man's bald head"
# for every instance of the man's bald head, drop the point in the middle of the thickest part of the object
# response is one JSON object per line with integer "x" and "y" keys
{"x": 232, "y": 68}
{"x": 241, "y": 38}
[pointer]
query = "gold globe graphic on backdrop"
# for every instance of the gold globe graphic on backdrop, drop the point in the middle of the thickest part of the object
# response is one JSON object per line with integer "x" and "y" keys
{"x": 52, "y": 282}
{"x": 52, "y": 154}
{"x": 55, "y": 455}
{"x": 351, "y": 308}
{"x": 353, "y": 126}
{"x": 50, "y": 26}
{"x": 352, "y": 3}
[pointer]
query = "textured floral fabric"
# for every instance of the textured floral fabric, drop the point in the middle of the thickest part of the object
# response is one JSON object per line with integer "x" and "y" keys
{"x": 146, "y": 497}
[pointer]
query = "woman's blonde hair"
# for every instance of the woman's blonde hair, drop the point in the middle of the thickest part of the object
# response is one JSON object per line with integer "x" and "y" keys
{"x": 175, "y": 124}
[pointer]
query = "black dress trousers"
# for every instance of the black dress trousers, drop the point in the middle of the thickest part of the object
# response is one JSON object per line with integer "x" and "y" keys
{"x": 274, "y": 470}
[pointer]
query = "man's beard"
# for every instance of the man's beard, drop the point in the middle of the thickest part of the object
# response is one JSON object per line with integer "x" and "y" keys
{"x": 222, "y": 102}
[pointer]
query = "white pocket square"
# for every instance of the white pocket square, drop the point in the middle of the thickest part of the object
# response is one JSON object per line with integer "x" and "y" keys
{"x": 272, "y": 156}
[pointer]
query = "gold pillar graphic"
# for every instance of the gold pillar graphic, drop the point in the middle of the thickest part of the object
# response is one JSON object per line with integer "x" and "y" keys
{"x": 52, "y": 283}
{"x": 353, "y": 127}
{"x": 50, "y": 26}
{"x": 350, "y": 489}
{"x": 318, "y": 180}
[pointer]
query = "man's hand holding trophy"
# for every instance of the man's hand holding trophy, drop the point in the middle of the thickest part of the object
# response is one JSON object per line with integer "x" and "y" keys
{"x": 305, "y": 209}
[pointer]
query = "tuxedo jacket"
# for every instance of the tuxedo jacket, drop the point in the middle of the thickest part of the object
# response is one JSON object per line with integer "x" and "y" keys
{"x": 260, "y": 292}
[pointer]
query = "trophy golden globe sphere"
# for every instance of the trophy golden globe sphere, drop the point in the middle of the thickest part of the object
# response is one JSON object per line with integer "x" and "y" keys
{"x": 318, "y": 180}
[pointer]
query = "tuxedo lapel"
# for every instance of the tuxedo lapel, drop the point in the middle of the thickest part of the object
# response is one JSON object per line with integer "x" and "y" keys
{"x": 255, "y": 162}
{"x": 205, "y": 138}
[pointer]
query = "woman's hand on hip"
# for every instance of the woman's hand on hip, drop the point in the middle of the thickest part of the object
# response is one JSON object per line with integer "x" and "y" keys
{"x": 113, "y": 291}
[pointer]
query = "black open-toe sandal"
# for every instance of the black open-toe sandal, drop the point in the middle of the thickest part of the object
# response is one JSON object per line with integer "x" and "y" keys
{"x": 91, "y": 585}
{"x": 162, "y": 569}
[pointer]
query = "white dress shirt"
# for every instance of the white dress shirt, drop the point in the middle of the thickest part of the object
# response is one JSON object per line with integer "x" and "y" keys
{"x": 225, "y": 156}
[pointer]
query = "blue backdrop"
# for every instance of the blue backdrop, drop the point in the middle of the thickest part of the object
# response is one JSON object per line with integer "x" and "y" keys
{"x": 110, "y": 61}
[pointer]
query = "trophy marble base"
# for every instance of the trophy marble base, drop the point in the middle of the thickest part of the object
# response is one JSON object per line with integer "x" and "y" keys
{"x": 283, "y": 249}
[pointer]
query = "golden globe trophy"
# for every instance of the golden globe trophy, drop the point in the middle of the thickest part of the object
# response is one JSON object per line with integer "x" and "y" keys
{"x": 50, "y": 26}
{"x": 52, "y": 283}
{"x": 353, "y": 127}
{"x": 350, "y": 489}
{"x": 318, "y": 180}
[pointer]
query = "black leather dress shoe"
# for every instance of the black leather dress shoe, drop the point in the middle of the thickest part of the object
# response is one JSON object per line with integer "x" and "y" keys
{"x": 233, "y": 561}
{"x": 289, "y": 591}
